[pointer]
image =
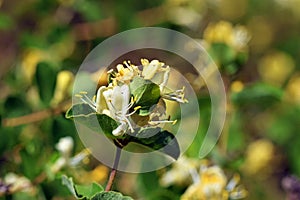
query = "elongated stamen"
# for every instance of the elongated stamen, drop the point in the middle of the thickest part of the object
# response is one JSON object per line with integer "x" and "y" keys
{"x": 177, "y": 95}
{"x": 85, "y": 99}
{"x": 126, "y": 63}
{"x": 129, "y": 105}
{"x": 173, "y": 122}
{"x": 89, "y": 100}
{"x": 135, "y": 109}
{"x": 128, "y": 108}
{"x": 129, "y": 124}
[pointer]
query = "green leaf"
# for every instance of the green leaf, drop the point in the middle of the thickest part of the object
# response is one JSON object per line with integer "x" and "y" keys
{"x": 258, "y": 94}
{"x": 107, "y": 124}
{"x": 158, "y": 139}
{"x": 111, "y": 195}
{"x": 145, "y": 92}
{"x": 222, "y": 53}
{"x": 68, "y": 182}
{"x": 81, "y": 191}
{"x": 79, "y": 110}
{"x": 87, "y": 116}
{"x": 45, "y": 79}
{"x": 88, "y": 191}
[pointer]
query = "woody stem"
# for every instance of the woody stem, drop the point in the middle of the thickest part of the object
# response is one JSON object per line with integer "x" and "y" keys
{"x": 113, "y": 170}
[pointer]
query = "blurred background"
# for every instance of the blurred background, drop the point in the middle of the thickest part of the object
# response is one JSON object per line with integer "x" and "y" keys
{"x": 256, "y": 45}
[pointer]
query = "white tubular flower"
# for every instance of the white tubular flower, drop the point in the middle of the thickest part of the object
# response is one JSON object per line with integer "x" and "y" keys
{"x": 113, "y": 101}
{"x": 80, "y": 157}
{"x": 65, "y": 146}
{"x": 117, "y": 100}
{"x": 100, "y": 103}
{"x": 59, "y": 164}
{"x": 156, "y": 71}
{"x": 125, "y": 75}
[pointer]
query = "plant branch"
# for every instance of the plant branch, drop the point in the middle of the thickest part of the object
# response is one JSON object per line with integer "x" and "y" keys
{"x": 37, "y": 116}
{"x": 114, "y": 170}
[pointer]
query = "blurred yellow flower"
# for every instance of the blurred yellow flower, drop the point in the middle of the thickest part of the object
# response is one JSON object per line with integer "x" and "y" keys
{"x": 259, "y": 156}
{"x": 206, "y": 182}
{"x": 98, "y": 174}
{"x": 212, "y": 185}
{"x": 219, "y": 32}
{"x": 292, "y": 92}
{"x": 237, "y": 86}
{"x": 275, "y": 68}
{"x": 224, "y": 32}
{"x": 30, "y": 60}
{"x": 212, "y": 182}
{"x": 64, "y": 82}
{"x": 180, "y": 172}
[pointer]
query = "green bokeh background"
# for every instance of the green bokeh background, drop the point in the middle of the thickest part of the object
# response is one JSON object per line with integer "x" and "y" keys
{"x": 41, "y": 38}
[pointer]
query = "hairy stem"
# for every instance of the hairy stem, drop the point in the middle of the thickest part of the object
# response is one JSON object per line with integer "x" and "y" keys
{"x": 113, "y": 170}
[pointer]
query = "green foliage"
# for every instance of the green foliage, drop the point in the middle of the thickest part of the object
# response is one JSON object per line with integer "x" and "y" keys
{"x": 81, "y": 191}
{"x": 91, "y": 192}
{"x": 111, "y": 195}
{"x": 46, "y": 78}
{"x": 85, "y": 115}
{"x": 259, "y": 94}
{"x": 43, "y": 37}
{"x": 146, "y": 94}
{"x": 154, "y": 138}
{"x": 157, "y": 139}
{"x": 229, "y": 60}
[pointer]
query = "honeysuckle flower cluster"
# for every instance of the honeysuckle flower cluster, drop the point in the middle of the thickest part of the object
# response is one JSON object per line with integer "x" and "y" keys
{"x": 134, "y": 92}
{"x": 205, "y": 181}
{"x": 181, "y": 171}
{"x": 13, "y": 183}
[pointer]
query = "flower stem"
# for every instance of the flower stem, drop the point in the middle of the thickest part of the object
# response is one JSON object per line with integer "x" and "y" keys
{"x": 113, "y": 170}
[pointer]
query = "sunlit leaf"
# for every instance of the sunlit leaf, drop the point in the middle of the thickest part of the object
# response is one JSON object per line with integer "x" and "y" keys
{"x": 145, "y": 93}
{"x": 157, "y": 139}
{"x": 111, "y": 195}
{"x": 68, "y": 182}
{"x": 79, "y": 110}
{"x": 88, "y": 190}
{"x": 81, "y": 191}
{"x": 87, "y": 116}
